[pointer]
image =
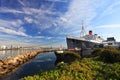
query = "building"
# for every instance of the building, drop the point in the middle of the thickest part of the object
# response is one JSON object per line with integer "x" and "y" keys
{"x": 3, "y": 47}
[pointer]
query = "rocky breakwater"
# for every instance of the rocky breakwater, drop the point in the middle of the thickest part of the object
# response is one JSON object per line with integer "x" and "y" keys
{"x": 9, "y": 64}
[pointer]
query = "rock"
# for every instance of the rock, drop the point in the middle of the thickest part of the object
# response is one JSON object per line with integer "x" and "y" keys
{"x": 1, "y": 68}
{"x": 3, "y": 71}
{"x": 1, "y": 63}
{"x": 12, "y": 61}
{"x": 11, "y": 67}
{"x": 5, "y": 62}
{"x": 4, "y": 66}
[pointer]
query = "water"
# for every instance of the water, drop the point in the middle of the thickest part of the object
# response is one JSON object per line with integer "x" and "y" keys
{"x": 43, "y": 62}
{"x": 7, "y": 53}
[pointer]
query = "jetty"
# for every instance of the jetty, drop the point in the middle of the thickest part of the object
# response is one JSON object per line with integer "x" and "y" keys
{"x": 9, "y": 64}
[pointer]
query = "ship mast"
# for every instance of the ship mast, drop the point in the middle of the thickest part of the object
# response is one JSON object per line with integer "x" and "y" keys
{"x": 82, "y": 33}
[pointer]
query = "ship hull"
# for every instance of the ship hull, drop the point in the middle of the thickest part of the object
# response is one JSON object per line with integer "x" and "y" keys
{"x": 75, "y": 43}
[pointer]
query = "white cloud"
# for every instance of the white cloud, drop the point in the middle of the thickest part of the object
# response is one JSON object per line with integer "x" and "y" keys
{"x": 30, "y": 11}
{"x": 39, "y": 17}
{"x": 39, "y": 32}
{"x": 13, "y": 27}
{"x": 10, "y": 31}
{"x": 21, "y": 2}
{"x": 39, "y": 37}
{"x": 29, "y": 20}
{"x": 11, "y": 24}
{"x": 58, "y": 0}
{"x": 79, "y": 10}
{"x": 110, "y": 9}
{"x": 49, "y": 37}
{"x": 9, "y": 10}
{"x": 42, "y": 37}
{"x": 109, "y": 26}
{"x": 21, "y": 29}
{"x": 64, "y": 19}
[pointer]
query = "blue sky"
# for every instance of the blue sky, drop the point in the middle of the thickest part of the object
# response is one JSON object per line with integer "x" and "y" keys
{"x": 39, "y": 22}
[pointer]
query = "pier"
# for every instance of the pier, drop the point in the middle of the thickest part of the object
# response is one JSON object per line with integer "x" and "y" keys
{"x": 9, "y": 64}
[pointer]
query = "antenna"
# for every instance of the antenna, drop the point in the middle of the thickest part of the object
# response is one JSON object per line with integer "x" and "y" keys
{"x": 82, "y": 33}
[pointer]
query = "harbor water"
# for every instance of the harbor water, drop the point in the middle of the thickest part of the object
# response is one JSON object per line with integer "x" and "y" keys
{"x": 42, "y": 62}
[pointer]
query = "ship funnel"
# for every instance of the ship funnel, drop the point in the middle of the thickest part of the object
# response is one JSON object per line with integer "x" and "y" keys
{"x": 90, "y": 32}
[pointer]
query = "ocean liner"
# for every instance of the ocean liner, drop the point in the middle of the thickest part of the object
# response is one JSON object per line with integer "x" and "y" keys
{"x": 89, "y": 40}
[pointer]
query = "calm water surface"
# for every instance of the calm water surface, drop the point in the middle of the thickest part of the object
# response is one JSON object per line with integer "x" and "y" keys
{"x": 43, "y": 61}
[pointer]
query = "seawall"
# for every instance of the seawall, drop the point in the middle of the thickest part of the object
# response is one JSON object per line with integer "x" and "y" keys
{"x": 9, "y": 64}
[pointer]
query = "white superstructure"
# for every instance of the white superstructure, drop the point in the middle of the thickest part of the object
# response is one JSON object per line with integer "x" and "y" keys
{"x": 93, "y": 38}
{"x": 111, "y": 42}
